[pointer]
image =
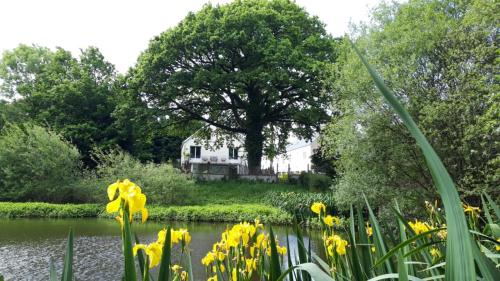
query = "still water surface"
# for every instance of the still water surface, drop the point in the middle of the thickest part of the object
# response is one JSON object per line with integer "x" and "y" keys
{"x": 28, "y": 245}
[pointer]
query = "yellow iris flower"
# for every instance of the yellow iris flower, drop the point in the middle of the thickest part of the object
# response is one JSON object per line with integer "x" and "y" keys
{"x": 369, "y": 230}
{"x": 318, "y": 208}
{"x": 130, "y": 196}
{"x": 336, "y": 243}
{"x": 435, "y": 253}
{"x": 419, "y": 227}
{"x": 329, "y": 220}
{"x": 153, "y": 251}
{"x": 473, "y": 211}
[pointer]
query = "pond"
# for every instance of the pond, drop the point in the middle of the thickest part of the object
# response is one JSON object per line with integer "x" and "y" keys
{"x": 28, "y": 245}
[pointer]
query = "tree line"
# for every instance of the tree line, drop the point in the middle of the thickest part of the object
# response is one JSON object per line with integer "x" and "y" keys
{"x": 267, "y": 69}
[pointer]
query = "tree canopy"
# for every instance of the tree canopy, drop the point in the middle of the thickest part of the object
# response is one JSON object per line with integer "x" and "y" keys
{"x": 82, "y": 99}
{"x": 440, "y": 58}
{"x": 255, "y": 68}
{"x": 72, "y": 96}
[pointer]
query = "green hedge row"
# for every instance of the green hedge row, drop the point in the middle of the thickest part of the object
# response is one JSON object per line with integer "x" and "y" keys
{"x": 219, "y": 213}
{"x": 209, "y": 213}
{"x": 47, "y": 210}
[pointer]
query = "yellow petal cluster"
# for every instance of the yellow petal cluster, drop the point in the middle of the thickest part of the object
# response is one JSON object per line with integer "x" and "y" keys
{"x": 130, "y": 196}
{"x": 473, "y": 211}
{"x": 335, "y": 244}
{"x": 369, "y": 230}
{"x": 154, "y": 250}
{"x": 419, "y": 227}
{"x": 318, "y": 208}
{"x": 331, "y": 220}
{"x": 435, "y": 252}
{"x": 242, "y": 247}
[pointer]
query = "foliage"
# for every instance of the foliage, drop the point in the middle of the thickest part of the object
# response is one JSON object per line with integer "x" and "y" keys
{"x": 47, "y": 210}
{"x": 439, "y": 57}
{"x": 365, "y": 254}
{"x": 297, "y": 203}
{"x": 256, "y": 68}
{"x": 37, "y": 165}
{"x": 315, "y": 182}
{"x": 73, "y": 96}
{"x": 324, "y": 163}
{"x": 207, "y": 213}
{"x": 164, "y": 184}
{"x": 219, "y": 213}
{"x": 11, "y": 113}
{"x": 142, "y": 130}
{"x": 84, "y": 100}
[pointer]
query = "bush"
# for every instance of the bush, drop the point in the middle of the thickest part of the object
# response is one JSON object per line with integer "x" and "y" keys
{"x": 36, "y": 165}
{"x": 298, "y": 203}
{"x": 46, "y": 210}
{"x": 163, "y": 183}
{"x": 315, "y": 182}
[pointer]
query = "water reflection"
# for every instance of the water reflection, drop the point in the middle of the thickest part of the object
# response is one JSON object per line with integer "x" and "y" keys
{"x": 28, "y": 245}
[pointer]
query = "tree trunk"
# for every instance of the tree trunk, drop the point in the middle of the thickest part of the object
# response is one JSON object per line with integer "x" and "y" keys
{"x": 254, "y": 142}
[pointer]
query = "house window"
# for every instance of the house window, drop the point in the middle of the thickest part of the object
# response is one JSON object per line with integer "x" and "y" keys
{"x": 195, "y": 152}
{"x": 233, "y": 152}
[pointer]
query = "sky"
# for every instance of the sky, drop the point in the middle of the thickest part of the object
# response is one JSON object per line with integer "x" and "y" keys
{"x": 121, "y": 29}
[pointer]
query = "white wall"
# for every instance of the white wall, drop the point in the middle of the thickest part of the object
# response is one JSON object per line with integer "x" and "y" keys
{"x": 298, "y": 156}
{"x": 222, "y": 153}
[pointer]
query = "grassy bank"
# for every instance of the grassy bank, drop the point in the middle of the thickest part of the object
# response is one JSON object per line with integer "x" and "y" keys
{"x": 236, "y": 192}
{"x": 210, "y": 212}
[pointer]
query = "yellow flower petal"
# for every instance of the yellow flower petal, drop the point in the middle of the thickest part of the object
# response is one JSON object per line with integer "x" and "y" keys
{"x": 138, "y": 247}
{"x": 154, "y": 252}
{"x": 137, "y": 203}
{"x": 112, "y": 190}
{"x": 144, "y": 214}
{"x": 113, "y": 206}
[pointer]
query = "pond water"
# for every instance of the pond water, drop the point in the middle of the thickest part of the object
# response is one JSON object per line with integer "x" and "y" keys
{"x": 28, "y": 245}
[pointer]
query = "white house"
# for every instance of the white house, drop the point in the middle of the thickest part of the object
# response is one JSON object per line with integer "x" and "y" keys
{"x": 230, "y": 158}
{"x": 196, "y": 157}
{"x": 296, "y": 159}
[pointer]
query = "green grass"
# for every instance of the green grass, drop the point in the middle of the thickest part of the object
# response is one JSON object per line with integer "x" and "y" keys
{"x": 236, "y": 192}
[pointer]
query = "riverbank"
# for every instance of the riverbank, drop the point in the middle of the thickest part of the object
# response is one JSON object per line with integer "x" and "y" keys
{"x": 206, "y": 213}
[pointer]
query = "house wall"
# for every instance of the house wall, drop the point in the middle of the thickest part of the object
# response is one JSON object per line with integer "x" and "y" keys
{"x": 214, "y": 156}
{"x": 299, "y": 159}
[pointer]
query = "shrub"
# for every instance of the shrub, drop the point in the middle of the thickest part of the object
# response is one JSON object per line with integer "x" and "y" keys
{"x": 36, "y": 165}
{"x": 315, "y": 182}
{"x": 298, "y": 203}
{"x": 46, "y": 210}
{"x": 163, "y": 183}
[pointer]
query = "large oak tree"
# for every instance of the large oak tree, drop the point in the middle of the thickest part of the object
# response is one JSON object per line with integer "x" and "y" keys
{"x": 253, "y": 68}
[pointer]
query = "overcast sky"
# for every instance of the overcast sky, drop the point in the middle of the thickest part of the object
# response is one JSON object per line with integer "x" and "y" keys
{"x": 121, "y": 29}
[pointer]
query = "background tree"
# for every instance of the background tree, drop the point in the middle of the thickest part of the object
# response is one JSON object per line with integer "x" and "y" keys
{"x": 36, "y": 165}
{"x": 82, "y": 99}
{"x": 73, "y": 96}
{"x": 240, "y": 68}
{"x": 141, "y": 130}
{"x": 440, "y": 57}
